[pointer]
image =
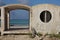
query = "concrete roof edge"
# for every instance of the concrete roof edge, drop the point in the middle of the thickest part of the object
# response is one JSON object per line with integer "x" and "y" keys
{"x": 16, "y": 4}
{"x": 46, "y": 4}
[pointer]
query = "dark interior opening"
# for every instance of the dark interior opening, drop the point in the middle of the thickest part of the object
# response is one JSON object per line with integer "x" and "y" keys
{"x": 45, "y": 16}
{"x": 0, "y": 17}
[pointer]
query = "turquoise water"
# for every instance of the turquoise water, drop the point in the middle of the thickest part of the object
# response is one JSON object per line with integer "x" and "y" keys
{"x": 20, "y": 22}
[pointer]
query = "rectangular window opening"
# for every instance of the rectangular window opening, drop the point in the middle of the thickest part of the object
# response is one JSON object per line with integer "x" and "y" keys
{"x": 19, "y": 19}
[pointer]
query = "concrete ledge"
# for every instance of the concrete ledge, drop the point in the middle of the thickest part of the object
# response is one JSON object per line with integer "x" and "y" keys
{"x": 17, "y": 32}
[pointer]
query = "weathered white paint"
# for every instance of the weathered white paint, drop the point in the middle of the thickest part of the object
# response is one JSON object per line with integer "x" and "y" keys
{"x": 2, "y": 20}
{"x": 5, "y": 15}
{"x": 52, "y": 25}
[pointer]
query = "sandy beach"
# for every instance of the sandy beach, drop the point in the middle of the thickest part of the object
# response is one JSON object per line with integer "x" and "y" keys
{"x": 23, "y": 37}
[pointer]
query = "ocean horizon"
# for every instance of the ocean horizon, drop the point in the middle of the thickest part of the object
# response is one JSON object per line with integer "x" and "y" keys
{"x": 19, "y": 22}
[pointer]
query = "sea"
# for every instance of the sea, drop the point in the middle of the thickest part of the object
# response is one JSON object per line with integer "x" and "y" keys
{"x": 19, "y": 22}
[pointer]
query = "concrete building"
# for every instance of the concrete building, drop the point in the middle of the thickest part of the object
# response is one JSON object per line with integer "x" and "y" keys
{"x": 44, "y": 18}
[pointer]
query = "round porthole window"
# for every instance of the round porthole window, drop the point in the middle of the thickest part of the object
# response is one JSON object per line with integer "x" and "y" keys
{"x": 45, "y": 16}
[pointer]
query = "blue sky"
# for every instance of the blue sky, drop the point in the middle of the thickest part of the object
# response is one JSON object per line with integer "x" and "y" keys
{"x": 24, "y": 14}
{"x": 32, "y": 2}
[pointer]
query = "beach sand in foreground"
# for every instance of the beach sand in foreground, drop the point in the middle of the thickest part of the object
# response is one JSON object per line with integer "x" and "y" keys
{"x": 23, "y": 37}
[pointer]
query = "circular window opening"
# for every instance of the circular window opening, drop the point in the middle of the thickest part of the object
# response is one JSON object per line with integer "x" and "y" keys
{"x": 45, "y": 16}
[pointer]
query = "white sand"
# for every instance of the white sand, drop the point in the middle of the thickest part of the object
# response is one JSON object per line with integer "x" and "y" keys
{"x": 16, "y": 26}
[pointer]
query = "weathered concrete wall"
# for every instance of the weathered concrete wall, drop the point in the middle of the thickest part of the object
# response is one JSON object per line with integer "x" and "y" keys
{"x": 53, "y": 25}
{"x": 5, "y": 15}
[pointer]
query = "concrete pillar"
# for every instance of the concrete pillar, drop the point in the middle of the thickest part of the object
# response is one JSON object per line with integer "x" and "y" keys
{"x": 30, "y": 20}
{"x": 8, "y": 19}
{"x": 2, "y": 20}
